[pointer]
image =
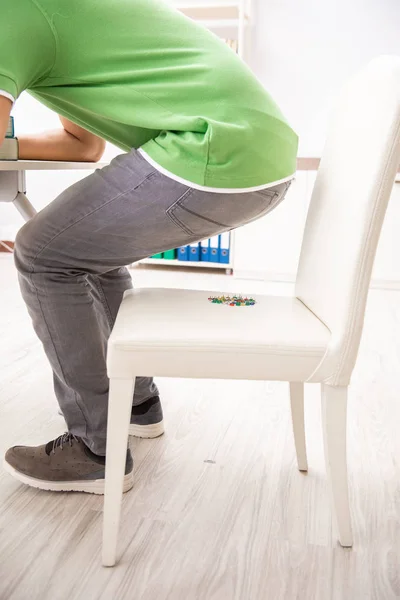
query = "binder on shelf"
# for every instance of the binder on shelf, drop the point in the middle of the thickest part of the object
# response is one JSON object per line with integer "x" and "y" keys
{"x": 183, "y": 253}
{"x": 159, "y": 255}
{"x": 194, "y": 252}
{"x": 214, "y": 248}
{"x": 170, "y": 254}
{"x": 205, "y": 250}
{"x": 224, "y": 247}
{"x": 10, "y": 128}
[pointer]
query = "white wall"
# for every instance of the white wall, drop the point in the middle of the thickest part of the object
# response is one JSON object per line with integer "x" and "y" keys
{"x": 304, "y": 50}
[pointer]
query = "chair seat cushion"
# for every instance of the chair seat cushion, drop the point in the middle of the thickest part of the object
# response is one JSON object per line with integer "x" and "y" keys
{"x": 179, "y": 333}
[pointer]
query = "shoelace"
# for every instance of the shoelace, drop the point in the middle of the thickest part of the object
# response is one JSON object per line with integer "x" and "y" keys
{"x": 65, "y": 438}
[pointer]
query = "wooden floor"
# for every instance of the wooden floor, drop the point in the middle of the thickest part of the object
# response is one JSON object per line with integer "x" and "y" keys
{"x": 219, "y": 510}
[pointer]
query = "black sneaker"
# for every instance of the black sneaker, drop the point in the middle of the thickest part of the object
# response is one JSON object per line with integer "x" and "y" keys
{"x": 147, "y": 419}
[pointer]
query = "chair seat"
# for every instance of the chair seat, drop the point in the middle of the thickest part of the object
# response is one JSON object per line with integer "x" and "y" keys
{"x": 179, "y": 333}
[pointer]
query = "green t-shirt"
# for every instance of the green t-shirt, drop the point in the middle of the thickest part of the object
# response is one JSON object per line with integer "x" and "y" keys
{"x": 141, "y": 74}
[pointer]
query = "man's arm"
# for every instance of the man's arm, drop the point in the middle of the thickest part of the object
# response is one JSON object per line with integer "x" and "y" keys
{"x": 72, "y": 143}
{"x": 5, "y": 110}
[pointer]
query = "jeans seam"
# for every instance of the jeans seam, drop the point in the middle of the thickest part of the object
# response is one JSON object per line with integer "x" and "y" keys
{"x": 170, "y": 212}
{"x": 267, "y": 209}
{"x": 103, "y": 299}
{"x": 192, "y": 212}
{"x": 182, "y": 197}
{"x": 179, "y": 223}
{"x": 54, "y": 347}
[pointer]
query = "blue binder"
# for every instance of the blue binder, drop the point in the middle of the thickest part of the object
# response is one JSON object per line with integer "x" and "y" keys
{"x": 194, "y": 252}
{"x": 205, "y": 250}
{"x": 224, "y": 247}
{"x": 214, "y": 248}
{"x": 183, "y": 253}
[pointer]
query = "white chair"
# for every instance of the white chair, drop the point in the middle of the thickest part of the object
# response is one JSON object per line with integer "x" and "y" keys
{"x": 312, "y": 337}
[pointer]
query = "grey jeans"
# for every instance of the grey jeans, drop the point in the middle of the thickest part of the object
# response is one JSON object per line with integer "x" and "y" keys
{"x": 71, "y": 261}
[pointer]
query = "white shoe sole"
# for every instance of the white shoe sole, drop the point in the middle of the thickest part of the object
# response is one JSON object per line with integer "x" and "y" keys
{"x": 147, "y": 431}
{"x": 90, "y": 487}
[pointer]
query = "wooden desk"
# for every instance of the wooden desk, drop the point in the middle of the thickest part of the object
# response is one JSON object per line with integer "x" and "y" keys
{"x": 13, "y": 179}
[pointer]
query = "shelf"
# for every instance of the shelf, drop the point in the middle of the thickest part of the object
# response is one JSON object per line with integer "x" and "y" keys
{"x": 225, "y": 18}
{"x": 185, "y": 263}
{"x": 182, "y": 4}
{"x": 211, "y": 14}
{"x": 230, "y": 5}
{"x": 219, "y": 23}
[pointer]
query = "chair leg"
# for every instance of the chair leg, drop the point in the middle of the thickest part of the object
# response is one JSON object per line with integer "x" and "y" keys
{"x": 119, "y": 411}
{"x": 334, "y": 413}
{"x": 297, "y": 404}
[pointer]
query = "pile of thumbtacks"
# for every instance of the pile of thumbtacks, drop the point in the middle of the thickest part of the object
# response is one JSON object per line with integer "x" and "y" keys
{"x": 232, "y": 300}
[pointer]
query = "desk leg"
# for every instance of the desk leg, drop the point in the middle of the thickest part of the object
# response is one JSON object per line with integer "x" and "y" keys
{"x": 24, "y": 207}
{"x": 21, "y": 202}
{"x": 13, "y": 189}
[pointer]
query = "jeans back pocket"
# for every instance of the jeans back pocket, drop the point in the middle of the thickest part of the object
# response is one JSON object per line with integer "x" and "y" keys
{"x": 203, "y": 213}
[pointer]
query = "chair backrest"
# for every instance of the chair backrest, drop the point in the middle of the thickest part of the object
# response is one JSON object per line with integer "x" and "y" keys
{"x": 348, "y": 205}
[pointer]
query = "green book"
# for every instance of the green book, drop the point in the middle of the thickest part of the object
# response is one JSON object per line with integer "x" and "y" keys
{"x": 170, "y": 254}
{"x": 159, "y": 255}
{"x": 10, "y": 128}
